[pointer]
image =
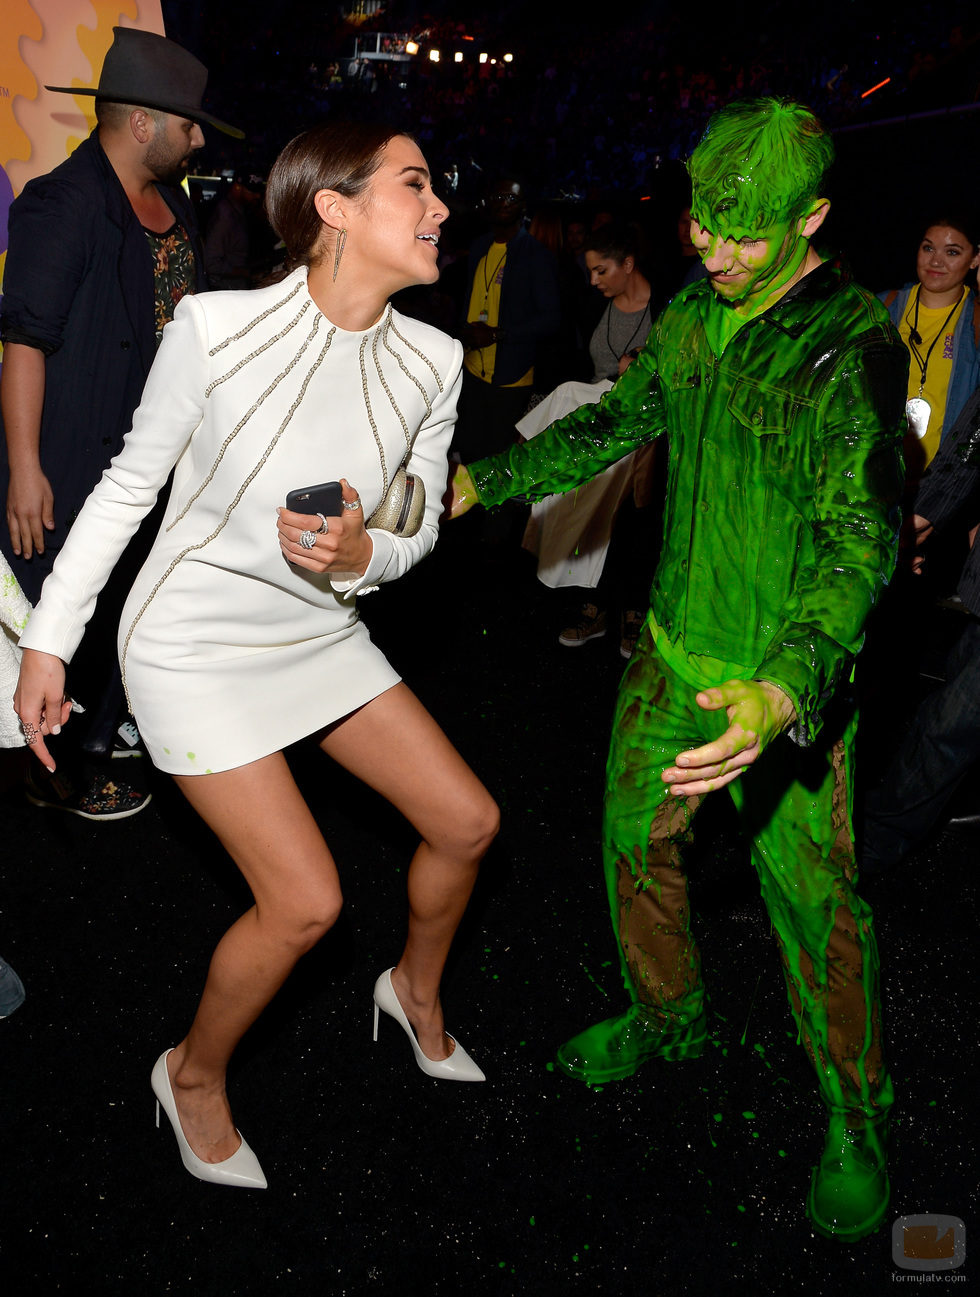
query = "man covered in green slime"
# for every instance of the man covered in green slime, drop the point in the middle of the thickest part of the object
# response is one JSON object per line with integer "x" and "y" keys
{"x": 780, "y": 385}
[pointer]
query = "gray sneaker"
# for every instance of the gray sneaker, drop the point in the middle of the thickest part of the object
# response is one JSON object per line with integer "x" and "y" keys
{"x": 11, "y": 990}
{"x": 127, "y": 740}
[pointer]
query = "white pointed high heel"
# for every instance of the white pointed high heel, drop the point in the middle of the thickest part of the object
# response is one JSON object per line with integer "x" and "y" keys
{"x": 457, "y": 1067}
{"x": 240, "y": 1171}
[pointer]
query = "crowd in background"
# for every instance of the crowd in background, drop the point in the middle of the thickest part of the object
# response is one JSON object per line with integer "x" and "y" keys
{"x": 585, "y": 108}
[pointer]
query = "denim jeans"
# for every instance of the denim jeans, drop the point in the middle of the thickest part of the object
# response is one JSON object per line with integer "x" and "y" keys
{"x": 939, "y": 749}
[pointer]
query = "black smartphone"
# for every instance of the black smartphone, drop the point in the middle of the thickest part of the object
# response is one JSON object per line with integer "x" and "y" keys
{"x": 327, "y": 498}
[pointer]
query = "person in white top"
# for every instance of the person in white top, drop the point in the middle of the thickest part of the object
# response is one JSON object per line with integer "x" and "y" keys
{"x": 241, "y": 633}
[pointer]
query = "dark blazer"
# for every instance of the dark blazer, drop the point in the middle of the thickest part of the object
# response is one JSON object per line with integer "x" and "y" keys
{"x": 530, "y": 307}
{"x": 950, "y": 491}
{"x": 78, "y": 285}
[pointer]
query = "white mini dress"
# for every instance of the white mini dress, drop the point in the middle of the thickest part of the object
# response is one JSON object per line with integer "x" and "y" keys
{"x": 228, "y": 652}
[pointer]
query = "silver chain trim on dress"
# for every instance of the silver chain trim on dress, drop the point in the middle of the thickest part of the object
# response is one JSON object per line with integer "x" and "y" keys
{"x": 258, "y": 320}
{"x": 245, "y": 418}
{"x": 382, "y": 334}
{"x": 387, "y": 390}
{"x": 425, "y": 359}
{"x": 228, "y": 512}
{"x": 404, "y": 368}
{"x": 370, "y": 415}
{"x": 257, "y": 352}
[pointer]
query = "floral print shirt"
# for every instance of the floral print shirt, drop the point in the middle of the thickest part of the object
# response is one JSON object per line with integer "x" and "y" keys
{"x": 173, "y": 271}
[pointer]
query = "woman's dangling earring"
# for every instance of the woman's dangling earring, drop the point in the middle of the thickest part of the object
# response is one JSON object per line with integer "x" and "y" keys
{"x": 339, "y": 252}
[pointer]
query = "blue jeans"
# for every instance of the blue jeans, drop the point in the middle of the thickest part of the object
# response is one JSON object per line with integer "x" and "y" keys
{"x": 939, "y": 749}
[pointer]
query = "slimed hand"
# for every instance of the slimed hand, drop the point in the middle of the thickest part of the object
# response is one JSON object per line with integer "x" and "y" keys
{"x": 757, "y": 712}
{"x": 464, "y": 493}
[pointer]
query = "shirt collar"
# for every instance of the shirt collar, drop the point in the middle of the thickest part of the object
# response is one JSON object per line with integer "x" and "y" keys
{"x": 795, "y": 310}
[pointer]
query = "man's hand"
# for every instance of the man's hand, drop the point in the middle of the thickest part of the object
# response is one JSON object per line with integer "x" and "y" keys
{"x": 464, "y": 495}
{"x": 477, "y": 335}
{"x": 30, "y": 500}
{"x": 757, "y": 712}
{"x": 30, "y": 511}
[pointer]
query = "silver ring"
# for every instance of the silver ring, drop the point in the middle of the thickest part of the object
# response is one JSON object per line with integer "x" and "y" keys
{"x": 324, "y": 526}
{"x": 352, "y": 504}
{"x": 307, "y": 539}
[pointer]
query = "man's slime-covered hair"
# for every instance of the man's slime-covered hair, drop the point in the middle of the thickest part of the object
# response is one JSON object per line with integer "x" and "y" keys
{"x": 760, "y": 162}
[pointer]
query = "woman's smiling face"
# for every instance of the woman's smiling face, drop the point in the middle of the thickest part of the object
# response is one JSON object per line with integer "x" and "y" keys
{"x": 394, "y": 227}
{"x": 945, "y": 258}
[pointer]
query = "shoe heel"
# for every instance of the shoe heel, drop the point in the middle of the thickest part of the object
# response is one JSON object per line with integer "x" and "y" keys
{"x": 457, "y": 1067}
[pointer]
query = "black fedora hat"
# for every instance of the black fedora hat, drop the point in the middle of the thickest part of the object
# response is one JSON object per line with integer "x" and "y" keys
{"x": 154, "y": 72}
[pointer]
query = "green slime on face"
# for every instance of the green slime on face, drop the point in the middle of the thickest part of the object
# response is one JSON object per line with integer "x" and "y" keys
{"x": 760, "y": 163}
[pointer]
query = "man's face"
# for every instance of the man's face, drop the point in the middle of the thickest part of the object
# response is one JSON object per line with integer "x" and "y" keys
{"x": 505, "y": 203}
{"x": 169, "y": 150}
{"x": 744, "y": 265}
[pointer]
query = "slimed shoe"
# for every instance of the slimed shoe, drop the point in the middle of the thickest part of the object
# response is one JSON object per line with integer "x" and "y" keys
{"x": 616, "y": 1047}
{"x": 849, "y": 1190}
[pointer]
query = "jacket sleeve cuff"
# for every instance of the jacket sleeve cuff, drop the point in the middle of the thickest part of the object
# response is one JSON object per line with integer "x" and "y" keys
{"x": 800, "y": 681}
{"x": 493, "y": 484}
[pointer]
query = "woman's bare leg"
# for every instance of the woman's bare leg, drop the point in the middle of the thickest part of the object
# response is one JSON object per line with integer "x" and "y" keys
{"x": 266, "y": 827}
{"x": 395, "y": 746}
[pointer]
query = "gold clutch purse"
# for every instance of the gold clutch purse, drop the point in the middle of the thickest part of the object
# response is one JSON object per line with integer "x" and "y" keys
{"x": 403, "y": 507}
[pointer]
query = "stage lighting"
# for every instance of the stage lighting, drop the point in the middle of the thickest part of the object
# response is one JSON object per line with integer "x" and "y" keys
{"x": 877, "y": 87}
{"x": 483, "y": 58}
{"x": 433, "y": 56}
{"x": 411, "y": 47}
{"x": 508, "y": 58}
{"x": 458, "y": 56}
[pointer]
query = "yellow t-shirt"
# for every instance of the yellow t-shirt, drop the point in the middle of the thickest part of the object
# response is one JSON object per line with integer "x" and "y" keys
{"x": 940, "y": 366}
{"x": 485, "y": 306}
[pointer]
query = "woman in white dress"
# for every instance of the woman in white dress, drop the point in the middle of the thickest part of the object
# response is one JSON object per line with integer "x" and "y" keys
{"x": 241, "y": 634}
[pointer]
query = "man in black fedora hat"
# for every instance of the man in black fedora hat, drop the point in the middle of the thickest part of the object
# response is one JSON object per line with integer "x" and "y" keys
{"x": 100, "y": 251}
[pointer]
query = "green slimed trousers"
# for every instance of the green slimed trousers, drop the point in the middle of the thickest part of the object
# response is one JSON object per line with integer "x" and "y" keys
{"x": 794, "y": 805}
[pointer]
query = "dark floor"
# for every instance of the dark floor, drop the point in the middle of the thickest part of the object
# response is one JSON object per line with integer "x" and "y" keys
{"x": 687, "y": 1178}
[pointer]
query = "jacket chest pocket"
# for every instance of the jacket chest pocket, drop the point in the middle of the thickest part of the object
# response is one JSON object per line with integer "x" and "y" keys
{"x": 771, "y": 417}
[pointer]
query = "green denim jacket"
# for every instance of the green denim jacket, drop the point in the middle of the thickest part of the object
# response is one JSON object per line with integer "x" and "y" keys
{"x": 785, "y": 474}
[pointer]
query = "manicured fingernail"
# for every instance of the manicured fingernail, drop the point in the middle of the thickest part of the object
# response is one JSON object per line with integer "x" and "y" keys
{"x": 49, "y": 769}
{"x": 55, "y": 729}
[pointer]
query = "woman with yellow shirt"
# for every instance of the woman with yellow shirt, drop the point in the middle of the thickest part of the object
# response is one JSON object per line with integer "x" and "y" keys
{"x": 939, "y": 320}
